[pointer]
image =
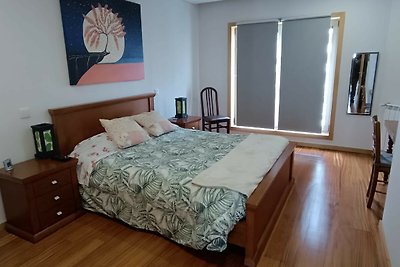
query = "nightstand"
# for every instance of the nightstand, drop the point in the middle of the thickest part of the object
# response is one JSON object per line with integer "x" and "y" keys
{"x": 191, "y": 122}
{"x": 39, "y": 197}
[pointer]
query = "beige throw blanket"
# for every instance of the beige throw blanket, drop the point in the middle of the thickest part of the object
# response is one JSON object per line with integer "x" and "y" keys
{"x": 243, "y": 168}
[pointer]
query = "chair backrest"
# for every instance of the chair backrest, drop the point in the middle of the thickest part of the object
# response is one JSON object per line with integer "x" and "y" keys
{"x": 376, "y": 137}
{"x": 209, "y": 102}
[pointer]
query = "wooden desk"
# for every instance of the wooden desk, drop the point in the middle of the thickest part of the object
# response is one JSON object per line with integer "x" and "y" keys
{"x": 391, "y": 127}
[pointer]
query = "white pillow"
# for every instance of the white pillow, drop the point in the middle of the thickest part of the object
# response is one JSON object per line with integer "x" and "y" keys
{"x": 125, "y": 132}
{"x": 154, "y": 123}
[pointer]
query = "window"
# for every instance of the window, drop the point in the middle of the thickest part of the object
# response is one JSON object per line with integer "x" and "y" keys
{"x": 283, "y": 75}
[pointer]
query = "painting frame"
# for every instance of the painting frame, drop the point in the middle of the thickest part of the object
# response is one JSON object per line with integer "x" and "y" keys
{"x": 103, "y": 41}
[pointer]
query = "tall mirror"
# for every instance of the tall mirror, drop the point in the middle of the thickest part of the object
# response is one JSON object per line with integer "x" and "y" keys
{"x": 362, "y": 81}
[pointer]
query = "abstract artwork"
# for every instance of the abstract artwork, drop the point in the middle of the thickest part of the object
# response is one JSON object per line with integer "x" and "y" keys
{"x": 103, "y": 41}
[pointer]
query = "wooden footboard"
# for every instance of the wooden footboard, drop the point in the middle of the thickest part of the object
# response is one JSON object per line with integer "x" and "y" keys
{"x": 263, "y": 208}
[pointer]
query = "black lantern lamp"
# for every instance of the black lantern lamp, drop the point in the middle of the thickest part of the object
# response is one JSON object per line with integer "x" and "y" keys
{"x": 181, "y": 107}
{"x": 43, "y": 134}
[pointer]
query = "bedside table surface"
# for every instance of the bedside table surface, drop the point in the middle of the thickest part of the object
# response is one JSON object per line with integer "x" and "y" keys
{"x": 31, "y": 168}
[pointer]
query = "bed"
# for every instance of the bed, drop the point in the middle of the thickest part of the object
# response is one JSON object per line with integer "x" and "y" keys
{"x": 77, "y": 123}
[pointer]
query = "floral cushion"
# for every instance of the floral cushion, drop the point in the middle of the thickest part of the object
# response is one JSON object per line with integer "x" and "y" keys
{"x": 125, "y": 131}
{"x": 154, "y": 123}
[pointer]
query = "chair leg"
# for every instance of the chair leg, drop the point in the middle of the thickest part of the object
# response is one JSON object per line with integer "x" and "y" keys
{"x": 373, "y": 188}
{"x": 385, "y": 177}
{"x": 203, "y": 124}
{"x": 370, "y": 180}
{"x": 228, "y": 129}
{"x": 217, "y": 127}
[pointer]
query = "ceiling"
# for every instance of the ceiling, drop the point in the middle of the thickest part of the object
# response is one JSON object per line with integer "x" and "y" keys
{"x": 201, "y": 1}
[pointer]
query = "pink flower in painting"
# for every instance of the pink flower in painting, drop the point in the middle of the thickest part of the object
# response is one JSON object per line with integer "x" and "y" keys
{"x": 105, "y": 22}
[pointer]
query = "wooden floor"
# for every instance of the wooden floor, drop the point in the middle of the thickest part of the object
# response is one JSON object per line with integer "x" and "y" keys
{"x": 325, "y": 222}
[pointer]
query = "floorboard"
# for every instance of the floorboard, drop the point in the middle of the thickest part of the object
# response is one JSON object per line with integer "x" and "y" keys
{"x": 325, "y": 222}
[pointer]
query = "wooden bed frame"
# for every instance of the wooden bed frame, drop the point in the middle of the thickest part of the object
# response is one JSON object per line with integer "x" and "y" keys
{"x": 76, "y": 123}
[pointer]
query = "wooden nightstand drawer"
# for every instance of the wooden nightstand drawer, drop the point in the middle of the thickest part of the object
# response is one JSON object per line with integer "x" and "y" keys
{"x": 55, "y": 214}
{"x": 39, "y": 197}
{"x": 191, "y": 122}
{"x": 193, "y": 125}
{"x": 52, "y": 182}
{"x": 55, "y": 198}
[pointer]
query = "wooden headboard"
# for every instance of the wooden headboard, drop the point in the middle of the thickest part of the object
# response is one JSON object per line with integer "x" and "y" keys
{"x": 76, "y": 123}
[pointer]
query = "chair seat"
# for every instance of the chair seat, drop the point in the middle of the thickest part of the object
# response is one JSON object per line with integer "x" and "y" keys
{"x": 216, "y": 118}
{"x": 386, "y": 159}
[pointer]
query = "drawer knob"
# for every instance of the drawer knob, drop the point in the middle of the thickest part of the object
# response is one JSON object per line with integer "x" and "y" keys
{"x": 54, "y": 182}
{"x": 56, "y": 198}
{"x": 59, "y": 213}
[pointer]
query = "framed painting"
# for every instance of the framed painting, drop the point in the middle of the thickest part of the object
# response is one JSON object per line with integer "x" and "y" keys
{"x": 103, "y": 41}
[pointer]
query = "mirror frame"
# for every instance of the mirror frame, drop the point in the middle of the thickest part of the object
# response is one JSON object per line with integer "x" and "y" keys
{"x": 353, "y": 106}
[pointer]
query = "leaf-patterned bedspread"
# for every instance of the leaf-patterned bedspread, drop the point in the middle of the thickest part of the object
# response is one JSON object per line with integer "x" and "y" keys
{"x": 148, "y": 186}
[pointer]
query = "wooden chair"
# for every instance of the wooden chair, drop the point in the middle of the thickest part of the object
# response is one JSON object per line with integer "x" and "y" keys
{"x": 210, "y": 111}
{"x": 382, "y": 161}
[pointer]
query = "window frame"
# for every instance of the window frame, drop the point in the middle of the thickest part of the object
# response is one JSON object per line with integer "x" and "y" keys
{"x": 231, "y": 94}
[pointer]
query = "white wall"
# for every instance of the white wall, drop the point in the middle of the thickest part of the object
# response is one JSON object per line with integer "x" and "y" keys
{"x": 33, "y": 69}
{"x": 388, "y": 85}
{"x": 365, "y": 30}
{"x": 391, "y": 93}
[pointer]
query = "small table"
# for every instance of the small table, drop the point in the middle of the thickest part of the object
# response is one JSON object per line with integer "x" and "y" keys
{"x": 39, "y": 197}
{"x": 191, "y": 122}
{"x": 391, "y": 127}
